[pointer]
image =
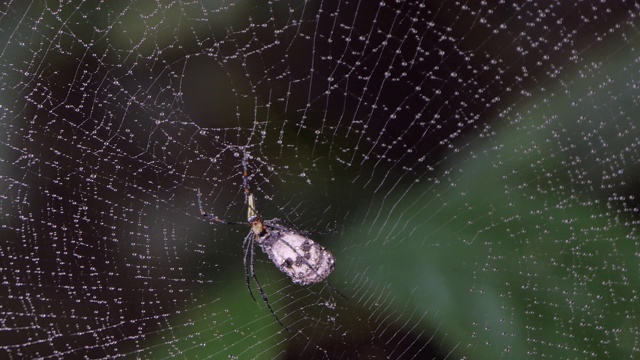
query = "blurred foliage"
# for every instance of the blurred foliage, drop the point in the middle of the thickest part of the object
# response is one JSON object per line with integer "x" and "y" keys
{"x": 515, "y": 252}
{"x": 518, "y": 251}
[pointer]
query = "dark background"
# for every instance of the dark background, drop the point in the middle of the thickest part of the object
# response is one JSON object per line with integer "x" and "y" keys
{"x": 472, "y": 167}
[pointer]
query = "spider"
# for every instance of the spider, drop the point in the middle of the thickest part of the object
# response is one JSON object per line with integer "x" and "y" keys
{"x": 303, "y": 260}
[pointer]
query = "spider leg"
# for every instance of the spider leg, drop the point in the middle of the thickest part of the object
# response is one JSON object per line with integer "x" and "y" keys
{"x": 213, "y": 217}
{"x": 262, "y": 293}
{"x": 248, "y": 243}
{"x": 336, "y": 290}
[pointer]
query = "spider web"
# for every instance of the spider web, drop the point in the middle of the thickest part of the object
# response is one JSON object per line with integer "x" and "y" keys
{"x": 472, "y": 166}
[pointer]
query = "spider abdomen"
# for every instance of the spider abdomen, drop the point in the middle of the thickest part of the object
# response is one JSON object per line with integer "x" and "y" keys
{"x": 305, "y": 261}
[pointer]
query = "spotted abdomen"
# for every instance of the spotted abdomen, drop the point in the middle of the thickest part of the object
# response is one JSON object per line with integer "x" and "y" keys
{"x": 304, "y": 260}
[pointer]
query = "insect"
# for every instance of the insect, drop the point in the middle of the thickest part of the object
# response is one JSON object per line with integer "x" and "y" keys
{"x": 302, "y": 259}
